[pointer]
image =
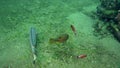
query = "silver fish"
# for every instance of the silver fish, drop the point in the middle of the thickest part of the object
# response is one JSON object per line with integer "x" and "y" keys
{"x": 33, "y": 42}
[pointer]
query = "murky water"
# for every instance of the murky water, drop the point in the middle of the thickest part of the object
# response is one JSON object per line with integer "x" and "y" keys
{"x": 51, "y": 19}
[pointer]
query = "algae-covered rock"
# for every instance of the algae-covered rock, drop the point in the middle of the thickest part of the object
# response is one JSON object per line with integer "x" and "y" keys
{"x": 110, "y": 4}
{"x": 116, "y": 32}
{"x": 107, "y": 10}
{"x": 106, "y": 14}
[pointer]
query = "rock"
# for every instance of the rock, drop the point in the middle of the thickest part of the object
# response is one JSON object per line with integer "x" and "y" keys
{"x": 107, "y": 10}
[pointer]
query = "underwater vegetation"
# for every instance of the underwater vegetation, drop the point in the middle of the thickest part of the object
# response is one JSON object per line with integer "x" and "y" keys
{"x": 108, "y": 12}
{"x": 50, "y": 34}
{"x": 116, "y": 32}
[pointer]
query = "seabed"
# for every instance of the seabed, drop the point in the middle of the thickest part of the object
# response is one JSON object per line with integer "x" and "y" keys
{"x": 51, "y": 19}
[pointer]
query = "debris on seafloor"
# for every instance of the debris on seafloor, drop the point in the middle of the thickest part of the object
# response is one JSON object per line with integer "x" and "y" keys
{"x": 73, "y": 29}
{"x": 33, "y": 42}
{"x": 82, "y": 56}
{"x": 62, "y": 38}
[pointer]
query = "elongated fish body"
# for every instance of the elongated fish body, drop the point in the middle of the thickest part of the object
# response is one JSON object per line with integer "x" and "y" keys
{"x": 82, "y": 56}
{"x": 73, "y": 29}
{"x": 33, "y": 41}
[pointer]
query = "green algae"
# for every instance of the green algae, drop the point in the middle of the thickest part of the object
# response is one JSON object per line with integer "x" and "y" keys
{"x": 52, "y": 18}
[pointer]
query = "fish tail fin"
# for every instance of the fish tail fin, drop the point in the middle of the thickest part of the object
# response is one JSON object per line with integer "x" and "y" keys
{"x": 34, "y": 58}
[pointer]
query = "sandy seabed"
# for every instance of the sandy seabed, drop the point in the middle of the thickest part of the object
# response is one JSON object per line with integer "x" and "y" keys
{"x": 51, "y": 19}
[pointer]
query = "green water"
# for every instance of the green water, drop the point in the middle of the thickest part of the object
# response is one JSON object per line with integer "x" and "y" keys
{"x": 51, "y": 19}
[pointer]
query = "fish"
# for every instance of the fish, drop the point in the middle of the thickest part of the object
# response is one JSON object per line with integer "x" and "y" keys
{"x": 82, "y": 56}
{"x": 73, "y": 29}
{"x": 33, "y": 42}
{"x": 62, "y": 38}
